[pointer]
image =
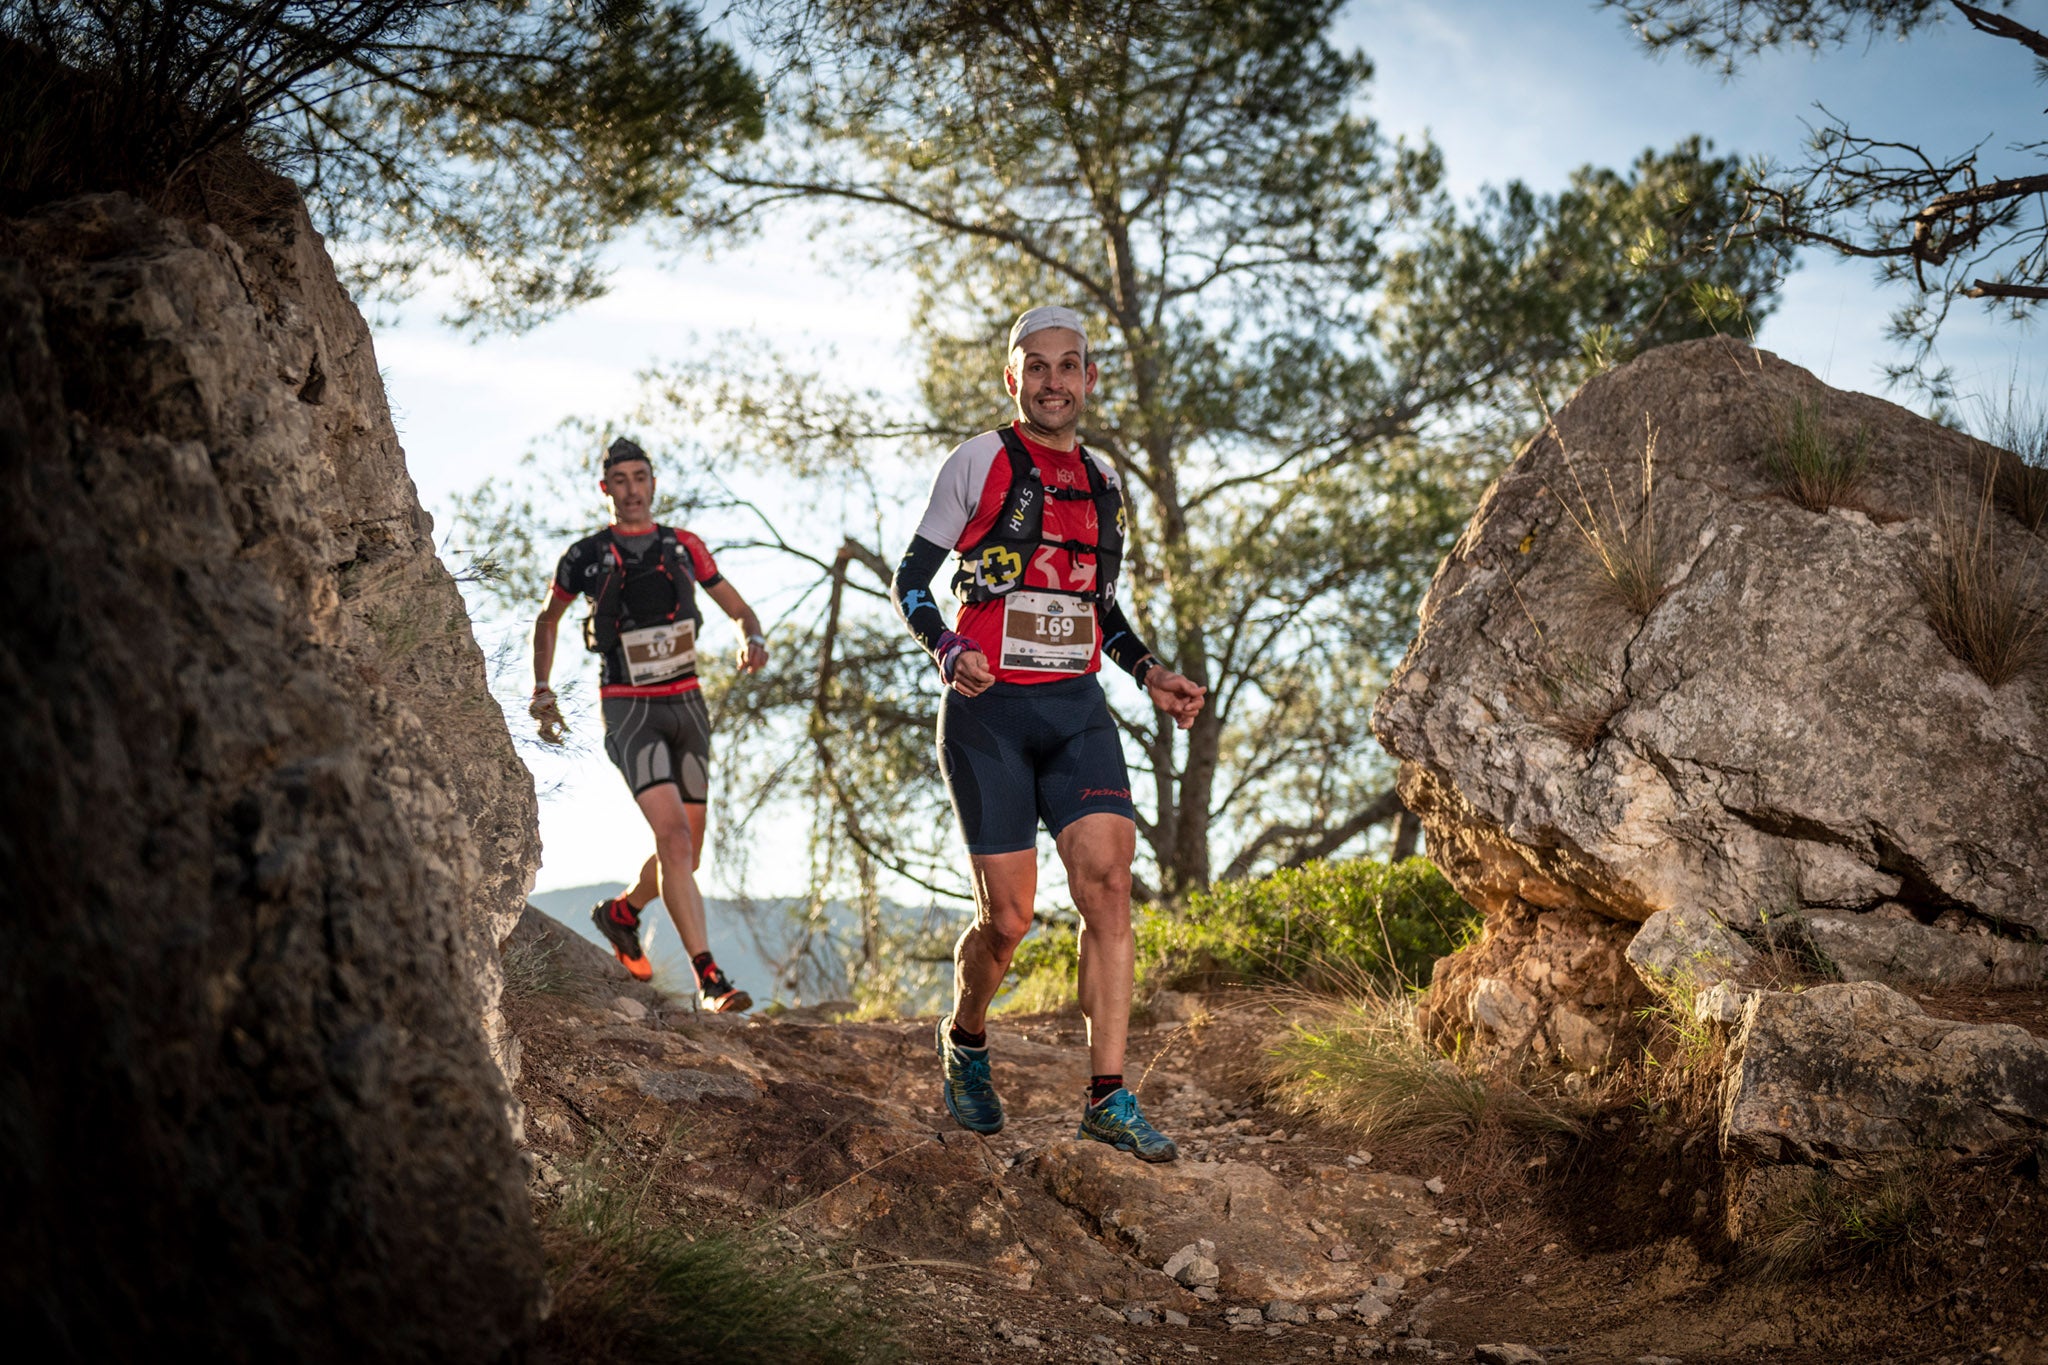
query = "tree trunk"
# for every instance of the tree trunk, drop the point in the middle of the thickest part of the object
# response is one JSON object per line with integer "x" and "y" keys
{"x": 1407, "y": 834}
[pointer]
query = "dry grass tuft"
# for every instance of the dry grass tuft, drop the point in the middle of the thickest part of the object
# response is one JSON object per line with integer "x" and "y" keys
{"x": 1826, "y": 1222}
{"x": 1631, "y": 566}
{"x": 1683, "y": 1061}
{"x": 533, "y": 967}
{"x": 1568, "y": 696}
{"x": 1809, "y": 465}
{"x": 1983, "y": 598}
{"x": 2019, "y": 430}
{"x": 1361, "y": 1064}
{"x": 630, "y": 1287}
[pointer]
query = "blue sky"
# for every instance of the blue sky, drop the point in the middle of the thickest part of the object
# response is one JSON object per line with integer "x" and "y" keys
{"x": 1510, "y": 89}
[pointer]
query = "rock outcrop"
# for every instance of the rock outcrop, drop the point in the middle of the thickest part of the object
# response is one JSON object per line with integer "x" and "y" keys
{"x": 263, "y": 827}
{"x": 1781, "y": 737}
{"x": 1860, "y": 1075}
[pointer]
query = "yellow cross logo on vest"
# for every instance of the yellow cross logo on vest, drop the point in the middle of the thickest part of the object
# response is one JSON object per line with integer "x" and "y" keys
{"x": 999, "y": 567}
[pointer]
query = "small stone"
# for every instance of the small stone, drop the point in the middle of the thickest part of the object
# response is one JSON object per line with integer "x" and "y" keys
{"x": 1507, "y": 1353}
{"x": 1174, "y": 1318}
{"x": 1435, "y": 1184}
{"x": 1281, "y": 1310}
{"x": 1389, "y": 1282}
{"x": 1107, "y": 1314}
{"x": 1370, "y": 1310}
{"x": 1528, "y": 1279}
{"x": 1140, "y": 1317}
{"x": 1339, "y": 1252}
{"x": 1551, "y": 1248}
{"x": 1656, "y": 1360}
{"x": 630, "y": 1007}
{"x": 1205, "y": 1292}
{"x": 1415, "y": 1346}
{"x": 1325, "y": 1313}
{"x": 1277, "y": 1135}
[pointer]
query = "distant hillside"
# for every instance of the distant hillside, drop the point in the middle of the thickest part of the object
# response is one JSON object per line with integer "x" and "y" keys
{"x": 730, "y": 942}
{"x": 732, "y": 939}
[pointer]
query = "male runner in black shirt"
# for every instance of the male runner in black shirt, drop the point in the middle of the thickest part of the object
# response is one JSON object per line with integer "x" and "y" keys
{"x": 641, "y": 579}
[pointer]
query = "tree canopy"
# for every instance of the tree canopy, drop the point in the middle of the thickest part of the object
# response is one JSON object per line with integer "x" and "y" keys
{"x": 1947, "y": 224}
{"x": 1312, "y": 362}
{"x": 501, "y": 140}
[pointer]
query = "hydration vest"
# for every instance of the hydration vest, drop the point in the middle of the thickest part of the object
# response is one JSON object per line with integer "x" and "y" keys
{"x": 994, "y": 565}
{"x": 601, "y": 627}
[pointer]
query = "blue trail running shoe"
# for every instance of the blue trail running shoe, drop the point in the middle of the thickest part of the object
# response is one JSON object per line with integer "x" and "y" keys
{"x": 1117, "y": 1122}
{"x": 969, "y": 1091}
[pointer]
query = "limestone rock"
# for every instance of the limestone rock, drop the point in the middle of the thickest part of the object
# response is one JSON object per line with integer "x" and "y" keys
{"x": 1507, "y": 1353}
{"x": 1550, "y": 986}
{"x": 1783, "y": 730}
{"x": 268, "y": 818}
{"x": 1902, "y": 951}
{"x": 1190, "y": 1267}
{"x": 1687, "y": 946}
{"x": 1860, "y": 1073}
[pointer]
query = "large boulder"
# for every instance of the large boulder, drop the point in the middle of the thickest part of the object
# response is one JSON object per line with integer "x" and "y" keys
{"x": 1782, "y": 733}
{"x": 263, "y": 827}
{"x": 1857, "y": 1074}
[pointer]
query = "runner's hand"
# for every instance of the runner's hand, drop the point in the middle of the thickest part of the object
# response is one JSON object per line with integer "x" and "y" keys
{"x": 1175, "y": 695}
{"x": 753, "y": 656}
{"x": 971, "y": 674}
{"x": 543, "y": 709}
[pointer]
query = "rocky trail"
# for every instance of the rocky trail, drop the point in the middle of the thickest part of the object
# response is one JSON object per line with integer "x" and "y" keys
{"x": 1267, "y": 1241}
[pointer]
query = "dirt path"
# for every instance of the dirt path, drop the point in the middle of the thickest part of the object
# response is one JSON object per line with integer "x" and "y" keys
{"x": 1034, "y": 1246}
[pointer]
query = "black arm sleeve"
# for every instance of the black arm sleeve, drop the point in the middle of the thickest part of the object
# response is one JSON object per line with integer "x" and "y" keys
{"x": 1121, "y": 643}
{"x": 910, "y": 590}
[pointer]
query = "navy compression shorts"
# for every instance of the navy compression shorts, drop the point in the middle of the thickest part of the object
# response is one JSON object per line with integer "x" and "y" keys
{"x": 1024, "y": 752}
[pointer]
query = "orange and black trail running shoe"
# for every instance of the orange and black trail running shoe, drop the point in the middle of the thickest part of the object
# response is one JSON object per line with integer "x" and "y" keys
{"x": 720, "y": 995}
{"x": 619, "y": 922}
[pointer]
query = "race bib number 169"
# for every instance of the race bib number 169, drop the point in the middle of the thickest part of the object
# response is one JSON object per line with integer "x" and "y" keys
{"x": 1047, "y": 632}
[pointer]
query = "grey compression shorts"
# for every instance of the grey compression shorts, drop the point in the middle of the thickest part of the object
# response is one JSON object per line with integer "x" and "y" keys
{"x": 653, "y": 740}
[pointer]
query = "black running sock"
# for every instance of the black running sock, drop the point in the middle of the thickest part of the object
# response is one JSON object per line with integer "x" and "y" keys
{"x": 706, "y": 968}
{"x": 962, "y": 1038}
{"x": 632, "y": 911}
{"x": 1101, "y": 1088}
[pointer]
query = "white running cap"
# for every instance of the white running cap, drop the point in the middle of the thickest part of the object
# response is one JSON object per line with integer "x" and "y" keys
{"x": 1039, "y": 319}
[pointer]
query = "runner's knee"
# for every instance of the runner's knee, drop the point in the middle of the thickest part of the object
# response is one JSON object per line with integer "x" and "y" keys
{"x": 1004, "y": 926}
{"x": 1103, "y": 891}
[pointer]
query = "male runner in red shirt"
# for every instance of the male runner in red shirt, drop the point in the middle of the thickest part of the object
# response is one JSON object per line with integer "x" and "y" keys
{"x": 1025, "y": 733}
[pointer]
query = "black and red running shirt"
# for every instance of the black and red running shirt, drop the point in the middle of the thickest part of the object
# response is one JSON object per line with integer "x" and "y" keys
{"x": 648, "y": 597}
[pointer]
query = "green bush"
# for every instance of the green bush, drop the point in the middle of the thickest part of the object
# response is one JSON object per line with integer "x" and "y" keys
{"x": 1326, "y": 925}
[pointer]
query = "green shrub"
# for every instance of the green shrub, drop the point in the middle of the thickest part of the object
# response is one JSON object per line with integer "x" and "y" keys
{"x": 1326, "y": 925}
